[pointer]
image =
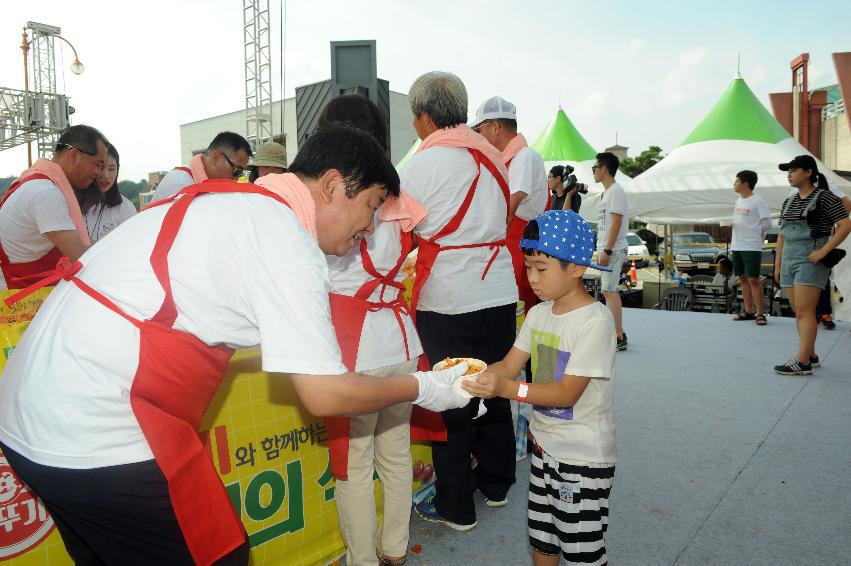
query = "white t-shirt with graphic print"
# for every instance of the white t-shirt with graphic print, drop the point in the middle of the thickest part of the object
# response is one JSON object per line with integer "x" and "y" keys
{"x": 581, "y": 343}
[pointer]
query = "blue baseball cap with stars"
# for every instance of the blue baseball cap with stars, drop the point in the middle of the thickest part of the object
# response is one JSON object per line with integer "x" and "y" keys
{"x": 564, "y": 235}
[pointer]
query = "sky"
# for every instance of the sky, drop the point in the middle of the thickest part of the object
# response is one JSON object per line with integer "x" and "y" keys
{"x": 646, "y": 71}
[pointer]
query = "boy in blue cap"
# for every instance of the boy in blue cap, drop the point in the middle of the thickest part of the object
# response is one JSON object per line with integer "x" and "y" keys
{"x": 571, "y": 339}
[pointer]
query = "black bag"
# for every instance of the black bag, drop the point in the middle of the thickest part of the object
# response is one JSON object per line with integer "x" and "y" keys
{"x": 832, "y": 257}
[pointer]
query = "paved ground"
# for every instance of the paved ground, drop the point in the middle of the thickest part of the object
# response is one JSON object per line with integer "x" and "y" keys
{"x": 721, "y": 461}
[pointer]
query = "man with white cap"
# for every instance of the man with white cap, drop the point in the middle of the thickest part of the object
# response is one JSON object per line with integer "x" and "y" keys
{"x": 496, "y": 120}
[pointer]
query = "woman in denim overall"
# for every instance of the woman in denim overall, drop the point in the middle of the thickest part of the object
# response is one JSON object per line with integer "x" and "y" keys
{"x": 800, "y": 251}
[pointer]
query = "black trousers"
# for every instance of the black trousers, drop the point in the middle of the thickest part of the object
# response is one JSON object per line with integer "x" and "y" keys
{"x": 118, "y": 515}
{"x": 488, "y": 335}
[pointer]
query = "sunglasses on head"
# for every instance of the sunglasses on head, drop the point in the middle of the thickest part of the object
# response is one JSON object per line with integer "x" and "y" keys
{"x": 69, "y": 146}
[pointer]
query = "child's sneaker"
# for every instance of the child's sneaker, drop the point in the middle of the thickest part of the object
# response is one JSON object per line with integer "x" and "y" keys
{"x": 827, "y": 322}
{"x": 814, "y": 361}
{"x": 428, "y": 512}
{"x": 794, "y": 367}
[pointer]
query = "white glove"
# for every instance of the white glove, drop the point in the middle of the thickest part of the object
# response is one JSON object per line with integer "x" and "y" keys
{"x": 436, "y": 390}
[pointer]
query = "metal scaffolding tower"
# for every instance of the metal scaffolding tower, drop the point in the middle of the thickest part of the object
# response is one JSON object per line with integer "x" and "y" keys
{"x": 54, "y": 117}
{"x": 258, "y": 71}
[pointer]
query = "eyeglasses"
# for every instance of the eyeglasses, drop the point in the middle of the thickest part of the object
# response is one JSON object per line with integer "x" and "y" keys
{"x": 69, "y": 146}
{"x": 236, "y": 172}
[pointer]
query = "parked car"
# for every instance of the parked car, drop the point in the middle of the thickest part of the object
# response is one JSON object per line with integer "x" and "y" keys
{"x": 637, "y": 250}
{"x": 694, "y": 253}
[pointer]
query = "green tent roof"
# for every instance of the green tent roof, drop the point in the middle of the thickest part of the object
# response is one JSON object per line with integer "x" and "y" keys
{"x": 561, "y": 141}
{"x": 738, "y": 115}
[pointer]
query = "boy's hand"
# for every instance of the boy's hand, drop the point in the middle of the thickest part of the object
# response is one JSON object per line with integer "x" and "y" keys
{"x": 487, "y": 385}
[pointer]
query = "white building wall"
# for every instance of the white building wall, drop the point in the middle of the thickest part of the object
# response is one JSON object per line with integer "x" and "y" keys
{"x": 196, "y": 136}
{"x": 836, "y": 142}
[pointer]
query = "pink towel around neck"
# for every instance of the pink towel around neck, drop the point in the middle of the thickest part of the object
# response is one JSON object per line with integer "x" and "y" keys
{"x": 462, "y": 136}
{"x": 517, "y": 143}
{"x": 405, "y": 210}
{"x": 57, "y": 176}
{"x": 296, "y": 193}
{"x": 196, "y": 165}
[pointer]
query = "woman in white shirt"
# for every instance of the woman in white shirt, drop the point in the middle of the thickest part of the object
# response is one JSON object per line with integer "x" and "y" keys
{"x": 103, "y": 206}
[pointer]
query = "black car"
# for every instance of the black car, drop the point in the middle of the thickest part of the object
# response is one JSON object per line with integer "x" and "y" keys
{"x": 693, "y": 253}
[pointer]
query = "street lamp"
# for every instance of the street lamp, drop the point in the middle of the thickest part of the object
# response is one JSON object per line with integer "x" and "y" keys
{"x": 45, "y": 31}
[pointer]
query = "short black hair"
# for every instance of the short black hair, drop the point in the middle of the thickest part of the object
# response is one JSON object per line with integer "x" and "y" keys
{"x": 231, "y": 142}
{"x": 82, "y": 137}
{"x": 726, "y": 263}
{"x": 748, "y": 176}
{"x": 359, "y": 111}
{"x": 507, "y": 123}
{"x": 610, "y": 161}
{"x": 557, "y": 171}
{"x": 532, "y": 232}
{"x": 356, "y": 154}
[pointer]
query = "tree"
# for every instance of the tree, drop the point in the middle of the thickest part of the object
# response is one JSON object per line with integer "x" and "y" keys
{"x": 645, "y": 160}
{"x": 131, "y": 190}
{"x": 5, "y": 183}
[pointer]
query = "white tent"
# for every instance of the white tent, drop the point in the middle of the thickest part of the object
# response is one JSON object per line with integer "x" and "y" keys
{"x": 694, "y": 183}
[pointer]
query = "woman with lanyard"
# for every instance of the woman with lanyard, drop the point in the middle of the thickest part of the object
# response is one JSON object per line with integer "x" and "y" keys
{"x": 806, "y": 251}
{"x": 376, "y": 336}
{"x": 103, "y": 206}
{"x": 561, "y": 198}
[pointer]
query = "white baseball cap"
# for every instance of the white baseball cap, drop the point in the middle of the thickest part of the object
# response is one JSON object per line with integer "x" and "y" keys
{"x": 494, "y": 109}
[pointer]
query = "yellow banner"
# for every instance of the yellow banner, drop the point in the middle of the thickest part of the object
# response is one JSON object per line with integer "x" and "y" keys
{"x": 272, "y": 457}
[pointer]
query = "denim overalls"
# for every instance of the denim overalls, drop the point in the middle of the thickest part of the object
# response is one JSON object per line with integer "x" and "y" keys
{"x": 798, "y": 244}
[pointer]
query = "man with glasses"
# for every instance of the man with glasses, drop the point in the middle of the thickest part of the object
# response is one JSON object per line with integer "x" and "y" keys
{"x": 226, "y": 158}
{"x": 612, "y": 246}
{"x": 496, "y": 120}
{"x": 40, "y": 219}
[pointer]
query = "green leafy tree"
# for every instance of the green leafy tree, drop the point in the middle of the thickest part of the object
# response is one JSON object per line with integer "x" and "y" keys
{"x": 634, "y": 166}
{"x": 5, "y": 183}
{"x": 131, "y": 190}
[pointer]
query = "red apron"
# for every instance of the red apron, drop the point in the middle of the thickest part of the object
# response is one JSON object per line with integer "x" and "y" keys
{"x": 348, "y": 314}
{"x": 174, "y": 384}
{"x": 18, "y": 275}
{"x": 515, "y": 234}
{"x": 428, "y": 425}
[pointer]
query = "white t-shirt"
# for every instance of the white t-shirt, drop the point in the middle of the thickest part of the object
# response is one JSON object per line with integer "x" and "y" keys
{"x": 613, "y": 200}
{"x": 65, "y": 392}
{"x": 751, "y": 219}
{"x": 34, "y": 209}
{"x": 382, "y": 343}
{"x": 581, "y": 343}
{"x": 438, "y": 178}
{"x": 173, "y": 182}
{"x": 527, "y": 174}
{"x": 101, "y": 219}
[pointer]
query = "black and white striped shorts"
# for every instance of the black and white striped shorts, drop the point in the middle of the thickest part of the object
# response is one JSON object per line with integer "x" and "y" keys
{"x": 569, "y": 509}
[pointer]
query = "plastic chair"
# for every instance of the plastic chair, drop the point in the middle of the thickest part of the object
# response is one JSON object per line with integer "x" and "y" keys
{"x": 677, "y": 299}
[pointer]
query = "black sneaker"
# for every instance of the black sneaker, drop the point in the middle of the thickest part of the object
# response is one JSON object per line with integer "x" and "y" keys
{"x": 827, "y": 322}
{"x": 794, "y": 367}
{"x": 622, "y": 343}
{"x": 814, "y": 361}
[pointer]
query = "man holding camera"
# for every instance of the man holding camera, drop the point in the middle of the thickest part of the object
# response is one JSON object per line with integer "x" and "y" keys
{"x": 612, "y": 246}
{"x": 496, "y": 120}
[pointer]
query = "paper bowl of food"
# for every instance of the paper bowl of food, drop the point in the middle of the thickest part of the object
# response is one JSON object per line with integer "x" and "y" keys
{"x": 476, "y": 367}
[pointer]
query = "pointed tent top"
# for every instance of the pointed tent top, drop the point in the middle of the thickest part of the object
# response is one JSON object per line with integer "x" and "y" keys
{"x": 738, "y": 115}
{"x": 561, "y": 141}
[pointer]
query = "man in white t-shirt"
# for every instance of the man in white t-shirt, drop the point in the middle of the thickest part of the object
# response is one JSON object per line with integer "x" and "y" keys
{"x": 612, "y": 247}
{"x": 751, "y": 222}
{"x": 225, "y": 158}
{"x": 465, "y": 294}
{"x": 40, "y": 218}
{"x": 496, "y": 120}
{"x": 110, "y": 381}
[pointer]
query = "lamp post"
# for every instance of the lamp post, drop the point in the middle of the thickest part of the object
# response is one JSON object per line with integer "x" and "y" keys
{"x": 44, "y": 58}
